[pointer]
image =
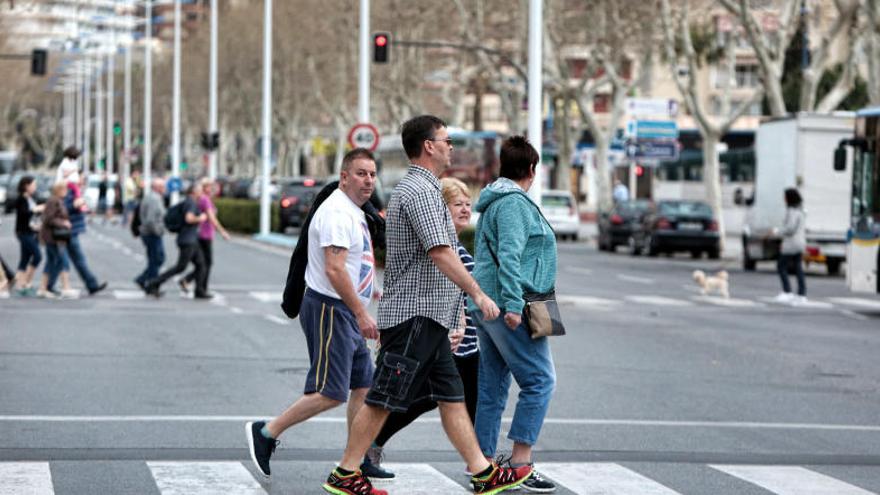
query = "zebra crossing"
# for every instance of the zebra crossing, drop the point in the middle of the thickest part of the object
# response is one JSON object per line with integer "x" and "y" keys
{"x": 580, "y": 478}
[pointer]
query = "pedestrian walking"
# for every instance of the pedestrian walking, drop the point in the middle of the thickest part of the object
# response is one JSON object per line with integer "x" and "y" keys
{"x": 465, "y": 352}
{"x": 334, "y": 318}
{"x": 515, "y": 255}
{"x": 77, "y": 210}
{"x": 55, "y": 232}
{"x": 420, "y": 303}
{"x": 151, "y": 212}
{"x": 620, "y": 192}
{"x": 187, "y": 245}
{"x": 68, "y": 169}
{"x": 794, "y": 241}
{"x": 6, "y": 278}
{"x": 206, "y": 232}
{"x": 27, "y": 226}
{"x": 132, "y": 190}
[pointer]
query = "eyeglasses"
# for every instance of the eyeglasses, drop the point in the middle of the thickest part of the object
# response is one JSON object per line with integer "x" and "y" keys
{"x": 448, "y": 141}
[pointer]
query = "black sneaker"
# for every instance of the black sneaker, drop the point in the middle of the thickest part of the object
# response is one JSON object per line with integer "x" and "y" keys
{"x": 372, "y": 466}
{"x": 261, "y": 448}
{"x": 204, "y": 295}
{"x": 538, "y": 484}
{"x": 99, "y": 288}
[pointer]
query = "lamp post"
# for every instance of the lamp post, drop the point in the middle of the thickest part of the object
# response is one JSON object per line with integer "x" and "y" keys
{"x": 267, "y": 116}
{"x": 536, "y": 89}
{"x": 175, "y": 105}
{"x": 212, "y": 100}
{"x": 147, "y": 154}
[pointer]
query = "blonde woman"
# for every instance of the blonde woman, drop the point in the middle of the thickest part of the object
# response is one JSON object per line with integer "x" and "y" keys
{"x": 55, "y": 233}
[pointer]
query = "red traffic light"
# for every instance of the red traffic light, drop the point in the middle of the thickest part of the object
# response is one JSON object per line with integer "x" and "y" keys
{"x": 381, "y": 45}
{"x": 381, "y": 40}
{"x": 640, "y": 171}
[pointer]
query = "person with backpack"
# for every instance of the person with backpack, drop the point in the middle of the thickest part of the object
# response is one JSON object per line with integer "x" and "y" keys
{"x": 148, "y": 223}
{"x": 184, "y": 219}
{"x": 206, "y": 232}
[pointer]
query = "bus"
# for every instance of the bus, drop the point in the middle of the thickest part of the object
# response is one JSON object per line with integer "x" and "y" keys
{"x": 863, "y": 237}
{"x": 474, "y": 159}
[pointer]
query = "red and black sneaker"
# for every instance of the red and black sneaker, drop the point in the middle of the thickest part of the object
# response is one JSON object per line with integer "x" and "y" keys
{"x": 353, "y": 484}
{"x": 500, "y": 479}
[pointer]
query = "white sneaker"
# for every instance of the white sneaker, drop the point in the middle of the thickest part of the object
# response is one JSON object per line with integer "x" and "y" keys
{"x": 784, "y": 298}
{"x": 799, "y": 301}
{"x": 4, "y": 294}
{"x": 45, "y": 294}
{"x": 70, "y": 294}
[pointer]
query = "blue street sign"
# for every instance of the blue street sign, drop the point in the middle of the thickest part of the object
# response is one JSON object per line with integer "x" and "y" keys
{"x": 652, "y": 150}
{"x": 174, "y": 184}
{"x": 653, "y": 129}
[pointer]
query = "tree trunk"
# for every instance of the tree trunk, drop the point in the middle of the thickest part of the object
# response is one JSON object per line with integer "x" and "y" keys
{"x": 603, "y": 172}
{"x": 563, "y": 166}
{"x": 809, "y": 86}
{"x": 773, "y": 89}
{"x": 712, "y": 179}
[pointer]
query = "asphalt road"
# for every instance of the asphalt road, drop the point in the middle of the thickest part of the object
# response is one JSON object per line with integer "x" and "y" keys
{"x": 660, "y": 390}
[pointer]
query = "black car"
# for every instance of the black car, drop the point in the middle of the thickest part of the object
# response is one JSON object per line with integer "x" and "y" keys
{"x": 670, "y": 226}
{"x": 616, "y": 226}
{"x": 297, "y": 196}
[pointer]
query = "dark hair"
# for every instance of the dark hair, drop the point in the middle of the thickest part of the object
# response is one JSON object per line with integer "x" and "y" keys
{"x": 416, "y": 131}
{"x": 24, "y": 183}
{"x": 71, "y": 152}
{"x": 356, "y": 154}
{"x": 793, "y": 198}
{"x": 518, "y": 158}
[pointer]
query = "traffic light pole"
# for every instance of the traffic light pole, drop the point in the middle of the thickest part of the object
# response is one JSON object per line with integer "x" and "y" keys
{"x": 126, "y": 129}
{"x": 212, "y": 100}
{"x": 364, "y": 73}
{"x": 99, "y": 114}
{"x": 111, "y": 140}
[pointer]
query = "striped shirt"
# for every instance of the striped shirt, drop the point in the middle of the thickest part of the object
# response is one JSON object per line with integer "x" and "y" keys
{"x": 468, "y": 345}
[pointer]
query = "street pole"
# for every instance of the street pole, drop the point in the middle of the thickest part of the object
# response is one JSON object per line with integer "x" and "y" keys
{"x": 111, "y": 140}
{"x": 147, "y": 154}
{"x": 364, "y": 74}
{"x": 536, "y": 89}
{"x": 267, "y": 116}
{"x": 77, "y": 111}
{"x": 87, "y": 116}
{"x": 212, "y": 100}
{"x": 126, "y": 130}
{"x": 99, "y": 113}
{"x": 175, "y": 116}
{"x": 69, "y": 116}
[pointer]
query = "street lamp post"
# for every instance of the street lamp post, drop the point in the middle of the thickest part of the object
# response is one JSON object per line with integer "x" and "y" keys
{"x": 126, "y": 130}
{"x": 175, "y": 116}
{"x": 147, "y": 155}
{"x": 87, "y": 116}
{"x": 364, "y": 73}
{"x": 536, "y": 89}
{"x": 267, "y": 116}
{"x": 212, "y": 101}
{"x": 111, "y": 140}
{"x": 99, "y": 114}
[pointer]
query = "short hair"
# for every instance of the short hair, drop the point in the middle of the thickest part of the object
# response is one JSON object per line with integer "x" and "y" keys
{"x": 58, "y": 187}
{"x": 192, "y": 188}
{"x": 24, "y": 183}
{"x": 518, "y": 158}
{"x": 356, "y": 154}
{"x": 71, "y": 152}
{"x": 793, "y": 198}
{"x": 452, "y": 187}
{"x": 416, "y": 131}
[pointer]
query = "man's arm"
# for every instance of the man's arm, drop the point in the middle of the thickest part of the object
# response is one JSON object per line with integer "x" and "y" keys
{"x": 334, "y": 267}
{"x": 448, "y": 262}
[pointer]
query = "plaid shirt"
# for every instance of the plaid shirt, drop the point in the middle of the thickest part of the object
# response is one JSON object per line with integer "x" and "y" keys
{"x": 418, "y": 220}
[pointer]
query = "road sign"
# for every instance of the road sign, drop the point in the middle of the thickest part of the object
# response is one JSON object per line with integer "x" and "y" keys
{"x": 651, "y": 106}
{"x": 652, "y": 129}
{"x": 364, "y": 135}
{"x": 649, "y": 149}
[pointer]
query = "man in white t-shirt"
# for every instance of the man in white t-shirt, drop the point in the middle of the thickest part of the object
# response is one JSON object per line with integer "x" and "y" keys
{"x": 333, "y": 315}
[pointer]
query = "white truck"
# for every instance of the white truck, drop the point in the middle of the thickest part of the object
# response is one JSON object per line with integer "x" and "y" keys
{"x": 797, "y": 151}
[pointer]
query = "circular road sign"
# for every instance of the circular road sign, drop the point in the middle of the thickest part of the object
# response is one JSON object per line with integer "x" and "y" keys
{"x": 364, "y": 136}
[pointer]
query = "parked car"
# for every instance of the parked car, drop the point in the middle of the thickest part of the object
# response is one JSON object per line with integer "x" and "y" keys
{"x": 12, "y": 189}
{"x": 4, "y": 183}
{"x": 44, "y": 188}
{"x": 616, "y": 226}
{"x": 675, "y": 225}
{"x": 560, "y": 209}
{"x": 296, "y": 199}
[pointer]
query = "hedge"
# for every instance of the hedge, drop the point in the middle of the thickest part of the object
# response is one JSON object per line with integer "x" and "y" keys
{"x": 243, "y": 215}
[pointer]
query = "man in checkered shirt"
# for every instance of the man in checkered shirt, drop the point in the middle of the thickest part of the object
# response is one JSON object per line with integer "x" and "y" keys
{"x": 421, "y": 301}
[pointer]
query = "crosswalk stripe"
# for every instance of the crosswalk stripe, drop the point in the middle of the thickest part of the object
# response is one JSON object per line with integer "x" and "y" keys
{"x": 127, "y": 295}
{"x": 659, "y": 301}
{"x": 601, "y": 478}
{"x": 418, "y": 479}
{"x": 25, "y": 478}
{"x": 857, "y": 302}
{"x": 791, "y": 480}
{"x": 204, "y": 478}
{"x": 731, "y": 302}
{"x": 266, "y": 297}
{"x": 636, "y": 280}
{"x": 596, "y": 303}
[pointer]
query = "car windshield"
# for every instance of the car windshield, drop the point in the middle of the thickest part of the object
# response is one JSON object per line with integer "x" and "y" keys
{"x": 631, "y": 207}
{"x": 555, "y": 201}
{"x": 685, "y": 208}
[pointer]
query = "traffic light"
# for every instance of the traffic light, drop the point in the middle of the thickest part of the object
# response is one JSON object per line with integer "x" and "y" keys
{"x": 210, "y": 141}
{"x": 117, "y": 128}
{"x": 38, "y": 62}
{"x": 381, "y": 42}
{"x": 640, "y": 171}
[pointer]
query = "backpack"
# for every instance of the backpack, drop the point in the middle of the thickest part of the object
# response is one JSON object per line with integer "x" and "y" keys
{"x": 175, "y": 217}
{"x": 136, "y": 220}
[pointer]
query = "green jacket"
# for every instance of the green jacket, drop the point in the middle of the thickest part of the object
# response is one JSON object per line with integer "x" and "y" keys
{"x": 522, "y": 241}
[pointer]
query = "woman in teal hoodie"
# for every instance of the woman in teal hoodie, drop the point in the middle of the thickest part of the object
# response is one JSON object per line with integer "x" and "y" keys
{"x": 515, "y": 255}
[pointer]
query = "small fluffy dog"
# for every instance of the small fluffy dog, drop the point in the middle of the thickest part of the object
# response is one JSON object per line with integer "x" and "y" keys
{"x": 716, "y": 283}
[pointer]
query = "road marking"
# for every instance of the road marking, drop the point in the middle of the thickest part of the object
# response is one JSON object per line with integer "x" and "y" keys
{"x": 204, "y": 478}
{"x": 732, "y": 302}
{"x": 601, "y": 478}
{"x": 791, "y": 480}
{"x": 552, "y": 421}
{"x": 275, "y": 319}
{"x": 808, "y": 305}
{"x": 577, "y": 269}
{"x": 591, "y": 302}
{"x": 126, "y": 295}
{"x": 25, "y": 478}
{"x": 636, "y": 280}
{"x": 418, "y": 479}
{"x": 266, "y": 297}
{"x": 857, "y": 301}
{"x": 235, "y": 310}
{"x": 659, "y": 301}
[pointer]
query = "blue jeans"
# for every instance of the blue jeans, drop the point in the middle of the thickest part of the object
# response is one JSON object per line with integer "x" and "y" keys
{"x": 505, "y": 352}
{"x": 155, "y": 257}
{"x": 30, "y": 251}
{"x": 78, "y": 258}
{"x": 56, "y": 262}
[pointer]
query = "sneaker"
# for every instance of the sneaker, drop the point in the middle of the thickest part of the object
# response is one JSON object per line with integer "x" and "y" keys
{"x": 46, "y": 294}
{"x": 784, "y": 298}
{"x": 4, "y": 294}
{"x": 69, "y": 294}
{"x": 184, "y": 287}
{"x": 261, "y": 448}
{"x": 372, "y": 466}
{"x": 204, "y": 295}
{"x": 799, "y": 301}
{"x": 353, "y": 484}
{"x": 99, "y": 288}
{"x": 152, "y": 289}
{"x": 501, "y": 479}
{"x": 537, "y": 483}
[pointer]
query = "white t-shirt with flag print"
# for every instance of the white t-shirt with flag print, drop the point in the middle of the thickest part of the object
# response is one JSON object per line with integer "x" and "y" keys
{"x": 339, "y": 222}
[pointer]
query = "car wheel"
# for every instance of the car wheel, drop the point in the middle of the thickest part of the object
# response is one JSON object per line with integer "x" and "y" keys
{"x": 574, "y": 237}
{"x": 695, "y": 254}
{"x": 634, "y": 248}
{"x": 653, "y": 250}
{"x": 714, "y": 254}
{"x": 833, "y": 266}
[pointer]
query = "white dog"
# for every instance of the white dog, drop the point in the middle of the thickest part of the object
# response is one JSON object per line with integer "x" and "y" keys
{"x": 717, "y": 283}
